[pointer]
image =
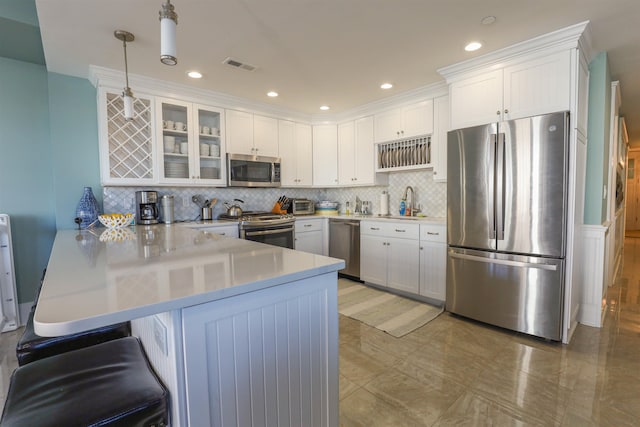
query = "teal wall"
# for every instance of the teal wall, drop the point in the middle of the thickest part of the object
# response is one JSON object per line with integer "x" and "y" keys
{"x": 595, "y": 207}
{"x": 26, "y": 174}
{"x": 74, "y": 140}
{"x": 48, "y": 153}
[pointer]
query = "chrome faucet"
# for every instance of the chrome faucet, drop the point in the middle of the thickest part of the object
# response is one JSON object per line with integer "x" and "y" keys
{"x": 409, "y": 204}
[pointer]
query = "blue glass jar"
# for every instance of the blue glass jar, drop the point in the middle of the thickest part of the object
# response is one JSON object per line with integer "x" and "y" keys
{"x": 87, "y": 209}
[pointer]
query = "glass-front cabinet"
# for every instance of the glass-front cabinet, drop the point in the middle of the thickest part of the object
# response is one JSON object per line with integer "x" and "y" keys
{"x": 191, "y": 150}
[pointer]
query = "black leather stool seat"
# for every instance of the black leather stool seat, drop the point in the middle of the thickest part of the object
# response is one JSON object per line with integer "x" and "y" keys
{"x": 108, "y": 384}
{"x": 32, "y": 347}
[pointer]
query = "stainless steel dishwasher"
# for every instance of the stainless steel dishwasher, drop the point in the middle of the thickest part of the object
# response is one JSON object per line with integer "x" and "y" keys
{"x": 344, "y": 243}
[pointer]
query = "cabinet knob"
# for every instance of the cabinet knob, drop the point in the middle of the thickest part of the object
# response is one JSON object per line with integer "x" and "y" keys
{"x": 402, "y": 132}
{"x": 498, "y": 112}
{"x": 421, "y": 248}
{"x": 506, "y": 111}
{"x": 435, "y": 173}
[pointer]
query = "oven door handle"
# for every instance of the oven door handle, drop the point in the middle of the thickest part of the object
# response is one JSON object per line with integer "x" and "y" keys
{"x": 266, "y": 232}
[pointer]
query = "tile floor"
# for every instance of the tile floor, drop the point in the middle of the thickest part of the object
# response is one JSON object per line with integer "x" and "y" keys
{"x": 457, "y": 372}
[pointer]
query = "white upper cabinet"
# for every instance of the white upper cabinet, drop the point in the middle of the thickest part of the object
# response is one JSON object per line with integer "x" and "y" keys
{"x": 346, "y": 153}
{"x": 296, "y": 154}
{"x": 325, "y": 155}
{"x": 265, "y": 136}
{"x": 356, "y": 154}
{"x": 439, "y": 139}
{"x": 127, "y": 153}
{"x": 239, "y": 132}
{"x": 405, "y": 122}
{"x": 251, "y": 134}
{"x": 191, "y": 148}
{"x": 537, "y": 86}
{"x": 476, "y": 100}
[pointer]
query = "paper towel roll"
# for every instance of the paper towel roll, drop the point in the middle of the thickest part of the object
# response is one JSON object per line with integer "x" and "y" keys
{"x": 384, "y": 203}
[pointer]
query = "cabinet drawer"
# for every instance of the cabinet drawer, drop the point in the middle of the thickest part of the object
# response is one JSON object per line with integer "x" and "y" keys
{"x": 223, "y": 230}
{"x": 308, "y": 225}
{"x": 400, "y": 229}
{"x": 433, "y": 233}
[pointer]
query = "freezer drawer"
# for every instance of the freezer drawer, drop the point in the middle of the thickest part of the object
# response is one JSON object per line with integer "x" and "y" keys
{"x": 521, "y": 293}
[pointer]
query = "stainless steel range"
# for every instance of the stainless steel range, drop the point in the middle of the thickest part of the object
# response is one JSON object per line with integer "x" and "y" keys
{"x": 266, "y": 227}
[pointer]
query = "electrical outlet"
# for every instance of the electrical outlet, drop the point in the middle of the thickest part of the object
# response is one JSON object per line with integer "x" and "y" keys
{"x": 160, "y": 335}
{"x": 185, "y": 201}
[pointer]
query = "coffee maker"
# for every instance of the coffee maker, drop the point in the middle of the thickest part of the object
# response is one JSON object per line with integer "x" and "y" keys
{"x": 147, "y": 207}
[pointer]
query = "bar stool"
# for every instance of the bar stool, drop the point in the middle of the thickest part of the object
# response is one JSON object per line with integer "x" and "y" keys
{"x": 106, "y": 384}
{"x": 33, "y": 347}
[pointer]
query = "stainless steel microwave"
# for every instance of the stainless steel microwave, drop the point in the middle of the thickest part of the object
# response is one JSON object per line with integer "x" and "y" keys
{"x": 253, "y": 171}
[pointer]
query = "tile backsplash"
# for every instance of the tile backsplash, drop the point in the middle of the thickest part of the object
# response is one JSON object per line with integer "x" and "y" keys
{"x": 432, "y": 196}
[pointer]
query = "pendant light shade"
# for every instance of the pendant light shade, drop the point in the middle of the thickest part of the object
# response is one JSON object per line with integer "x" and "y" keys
{"x": 127, "y": 95}
{"x": 168, "y": 23}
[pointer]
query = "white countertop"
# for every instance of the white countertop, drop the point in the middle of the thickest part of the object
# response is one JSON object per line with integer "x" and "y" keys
{"x": 91, "y": 283}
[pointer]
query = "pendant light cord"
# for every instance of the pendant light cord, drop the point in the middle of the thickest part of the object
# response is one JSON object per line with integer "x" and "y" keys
{"x": 126, "y": 66}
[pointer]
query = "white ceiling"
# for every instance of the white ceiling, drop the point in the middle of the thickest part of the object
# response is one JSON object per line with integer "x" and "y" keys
{"x": 334, "y": 52}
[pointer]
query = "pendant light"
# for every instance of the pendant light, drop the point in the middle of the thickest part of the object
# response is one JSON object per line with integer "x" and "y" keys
{"x": 127, "y": 95}
{"x": 168, "y": 23}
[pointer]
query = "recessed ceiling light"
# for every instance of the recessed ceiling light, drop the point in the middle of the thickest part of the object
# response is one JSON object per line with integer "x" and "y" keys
{"x": 473, "y": 46}
{"x": 386, "y": 86}
{"x": 324, "y": 107}
{"x": 272, "y": 94}
{"x": 194, "y": 74}
{"x": 488, "y": 20}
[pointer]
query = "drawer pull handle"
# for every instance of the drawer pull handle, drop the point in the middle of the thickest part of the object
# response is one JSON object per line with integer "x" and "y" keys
{"x": 400, "y": 231}
{"x": 308, "y": 225}
{"x": 432, "y": 234}
{"x": 374, "y": 228}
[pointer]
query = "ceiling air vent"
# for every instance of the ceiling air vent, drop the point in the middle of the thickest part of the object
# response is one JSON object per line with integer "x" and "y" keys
{"x": 238, "y": 64}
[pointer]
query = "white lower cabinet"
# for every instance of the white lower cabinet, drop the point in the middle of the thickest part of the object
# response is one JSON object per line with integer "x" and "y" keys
{"x": 433, "y": 261}
{"x": 390, "y": 255}
{"x": 310, "y": 235}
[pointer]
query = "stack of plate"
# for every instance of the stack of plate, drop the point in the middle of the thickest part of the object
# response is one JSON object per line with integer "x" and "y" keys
{"x": 209, "y": 173}
{"x": 176, "y": 170}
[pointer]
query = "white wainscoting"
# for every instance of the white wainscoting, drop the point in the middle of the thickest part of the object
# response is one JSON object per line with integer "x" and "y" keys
{"x": 167, "y": 361}
{"x": 592, "y": 274}
{"x": 265, "y": 358}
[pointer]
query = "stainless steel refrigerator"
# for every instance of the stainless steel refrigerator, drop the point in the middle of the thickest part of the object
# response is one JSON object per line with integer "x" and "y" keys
{"x": 506, "y": 223}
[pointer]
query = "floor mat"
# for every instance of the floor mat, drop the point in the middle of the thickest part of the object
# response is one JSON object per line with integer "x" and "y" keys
{"x": 388, "y": 312}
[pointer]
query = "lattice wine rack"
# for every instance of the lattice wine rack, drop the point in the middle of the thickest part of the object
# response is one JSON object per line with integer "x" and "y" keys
{"x": 130, "y": 144}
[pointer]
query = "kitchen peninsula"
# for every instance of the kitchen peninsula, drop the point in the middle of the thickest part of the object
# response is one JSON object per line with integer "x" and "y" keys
{"x": 241, "y": 333}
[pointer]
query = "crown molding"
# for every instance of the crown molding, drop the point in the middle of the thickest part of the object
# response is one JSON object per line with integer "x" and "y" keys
{"x": 574, "y": 36}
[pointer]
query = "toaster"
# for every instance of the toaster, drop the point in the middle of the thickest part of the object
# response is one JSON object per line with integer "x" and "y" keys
{"x": 302, "y": 207}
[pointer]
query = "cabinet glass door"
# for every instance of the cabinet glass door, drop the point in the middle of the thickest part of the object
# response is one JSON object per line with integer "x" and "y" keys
{"x": 210, "y": 153}
{"x": 175, "y": 140}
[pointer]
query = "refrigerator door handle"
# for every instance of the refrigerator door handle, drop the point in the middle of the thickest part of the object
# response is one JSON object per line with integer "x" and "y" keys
{"x": 550, "y": 267}
{"x": 492, "y": 160}
{"x": 500, "y": 177}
